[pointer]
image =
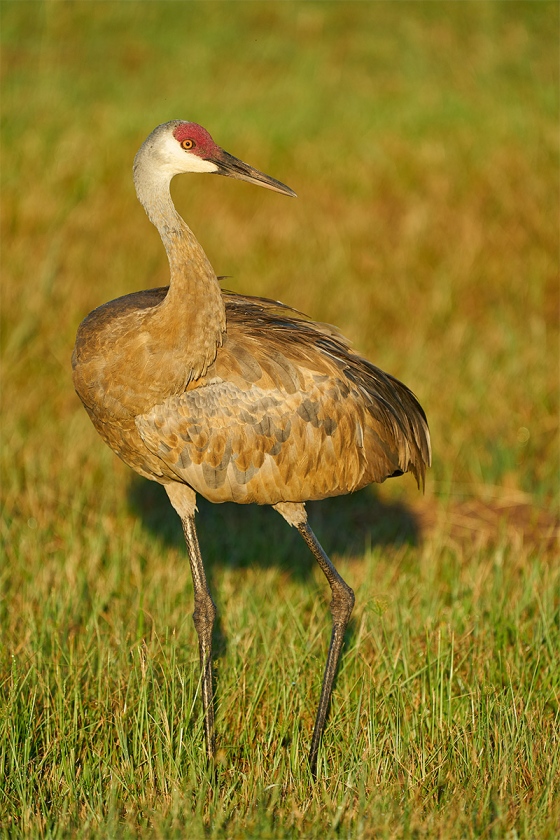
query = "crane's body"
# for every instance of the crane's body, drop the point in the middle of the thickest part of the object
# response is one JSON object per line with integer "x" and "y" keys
{"x": 284, "y": 413}
{"x": 236, "y": 398}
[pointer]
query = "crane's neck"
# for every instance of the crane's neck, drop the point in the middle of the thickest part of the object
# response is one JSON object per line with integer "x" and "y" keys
{"x": 193, "y": 312}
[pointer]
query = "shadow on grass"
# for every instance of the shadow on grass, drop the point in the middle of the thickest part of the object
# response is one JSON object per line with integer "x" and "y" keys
{"x": 241, "y": 536}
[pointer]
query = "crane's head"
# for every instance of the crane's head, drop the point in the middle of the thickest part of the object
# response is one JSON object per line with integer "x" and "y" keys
{"x": 182, "y": 146}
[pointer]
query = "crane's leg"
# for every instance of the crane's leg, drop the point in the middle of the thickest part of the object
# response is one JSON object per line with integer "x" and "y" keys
{"x": 183, "y": 500}
{"x": 203, "y": 617}
{"x": 341, "y": 607}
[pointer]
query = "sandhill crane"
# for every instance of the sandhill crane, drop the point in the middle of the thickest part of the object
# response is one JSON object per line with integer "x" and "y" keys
{"x": 240, "y": 399}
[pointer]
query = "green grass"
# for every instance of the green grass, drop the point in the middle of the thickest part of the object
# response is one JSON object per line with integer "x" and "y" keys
{"x": 421, "y": 139}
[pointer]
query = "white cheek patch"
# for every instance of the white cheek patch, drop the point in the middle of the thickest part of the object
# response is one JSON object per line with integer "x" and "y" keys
{"x": 178, "y": 160}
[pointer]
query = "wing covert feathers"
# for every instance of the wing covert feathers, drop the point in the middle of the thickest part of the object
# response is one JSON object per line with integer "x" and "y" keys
{"x": 287, "y": 412}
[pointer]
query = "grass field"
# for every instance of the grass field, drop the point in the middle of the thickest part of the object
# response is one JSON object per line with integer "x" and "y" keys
{"x": 422, "y": 140}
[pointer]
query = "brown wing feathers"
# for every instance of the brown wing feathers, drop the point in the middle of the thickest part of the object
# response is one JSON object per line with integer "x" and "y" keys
{"x": 286, "y": 412}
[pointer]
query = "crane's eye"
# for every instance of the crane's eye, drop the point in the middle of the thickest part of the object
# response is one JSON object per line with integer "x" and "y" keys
{"x": 187, "y": 145}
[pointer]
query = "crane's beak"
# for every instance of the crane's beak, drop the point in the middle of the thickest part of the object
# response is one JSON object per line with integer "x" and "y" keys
{"x": 234, "y": 168}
